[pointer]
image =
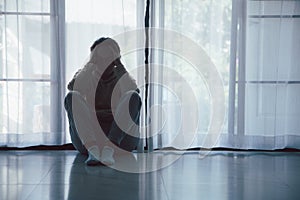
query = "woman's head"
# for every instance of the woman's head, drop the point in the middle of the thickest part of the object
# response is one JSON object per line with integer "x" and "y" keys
{"x": 105, "y": 52}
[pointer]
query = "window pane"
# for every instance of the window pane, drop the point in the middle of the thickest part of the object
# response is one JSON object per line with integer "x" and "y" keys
{"x": 262, "y": 51}
{"x": 273, "y": 7}
{"x": 260, "y": 114}
{"x": 25, "y": 107}
{"x": 26, "y": 42}
{"x": 25, "y": 6}
{"x": 268, "y": 60}
{"x": 293, "y": 109}
{"x": 272, "y": 109}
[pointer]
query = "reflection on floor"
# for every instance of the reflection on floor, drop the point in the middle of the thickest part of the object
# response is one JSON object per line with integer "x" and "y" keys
{"x": 228, "y": 175}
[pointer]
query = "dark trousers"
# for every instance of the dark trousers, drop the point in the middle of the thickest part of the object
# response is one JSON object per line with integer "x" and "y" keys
{"x": 126, "y": 139}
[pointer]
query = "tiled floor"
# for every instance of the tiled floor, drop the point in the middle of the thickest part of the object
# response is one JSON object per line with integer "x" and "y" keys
{"x": 58, "y": 175}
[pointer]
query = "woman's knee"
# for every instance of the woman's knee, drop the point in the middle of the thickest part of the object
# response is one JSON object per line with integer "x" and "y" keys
{"x": 135, "y": 99}
{"x": 68, "y": 101}
{"x": 70, "y": 97}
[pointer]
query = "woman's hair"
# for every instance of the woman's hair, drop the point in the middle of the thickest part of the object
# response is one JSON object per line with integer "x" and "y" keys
{"x": 100, "y": 40}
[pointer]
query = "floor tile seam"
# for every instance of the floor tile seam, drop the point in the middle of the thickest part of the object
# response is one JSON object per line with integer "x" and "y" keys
{"x": 42, "y": 184}
{"x": 33, "y": 189}
{"x": 46, "y": 174}
{"x": 164, "y": 185}
{"x": 36, "y": 185}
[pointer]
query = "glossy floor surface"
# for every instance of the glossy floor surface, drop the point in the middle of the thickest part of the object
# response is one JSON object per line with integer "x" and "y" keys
{"x": 58, "y": 175}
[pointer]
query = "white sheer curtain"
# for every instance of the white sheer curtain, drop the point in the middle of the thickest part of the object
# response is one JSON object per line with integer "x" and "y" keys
{"x": 29, "y": 74}
{"x": 255, "y": 46}
{"x": 271, "y": 75}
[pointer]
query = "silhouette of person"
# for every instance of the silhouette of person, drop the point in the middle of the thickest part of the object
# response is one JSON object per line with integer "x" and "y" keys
{"x": 103, "y": 88}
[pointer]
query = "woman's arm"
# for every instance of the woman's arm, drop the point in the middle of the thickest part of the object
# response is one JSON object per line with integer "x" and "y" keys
{"x": 71, "y": 83}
